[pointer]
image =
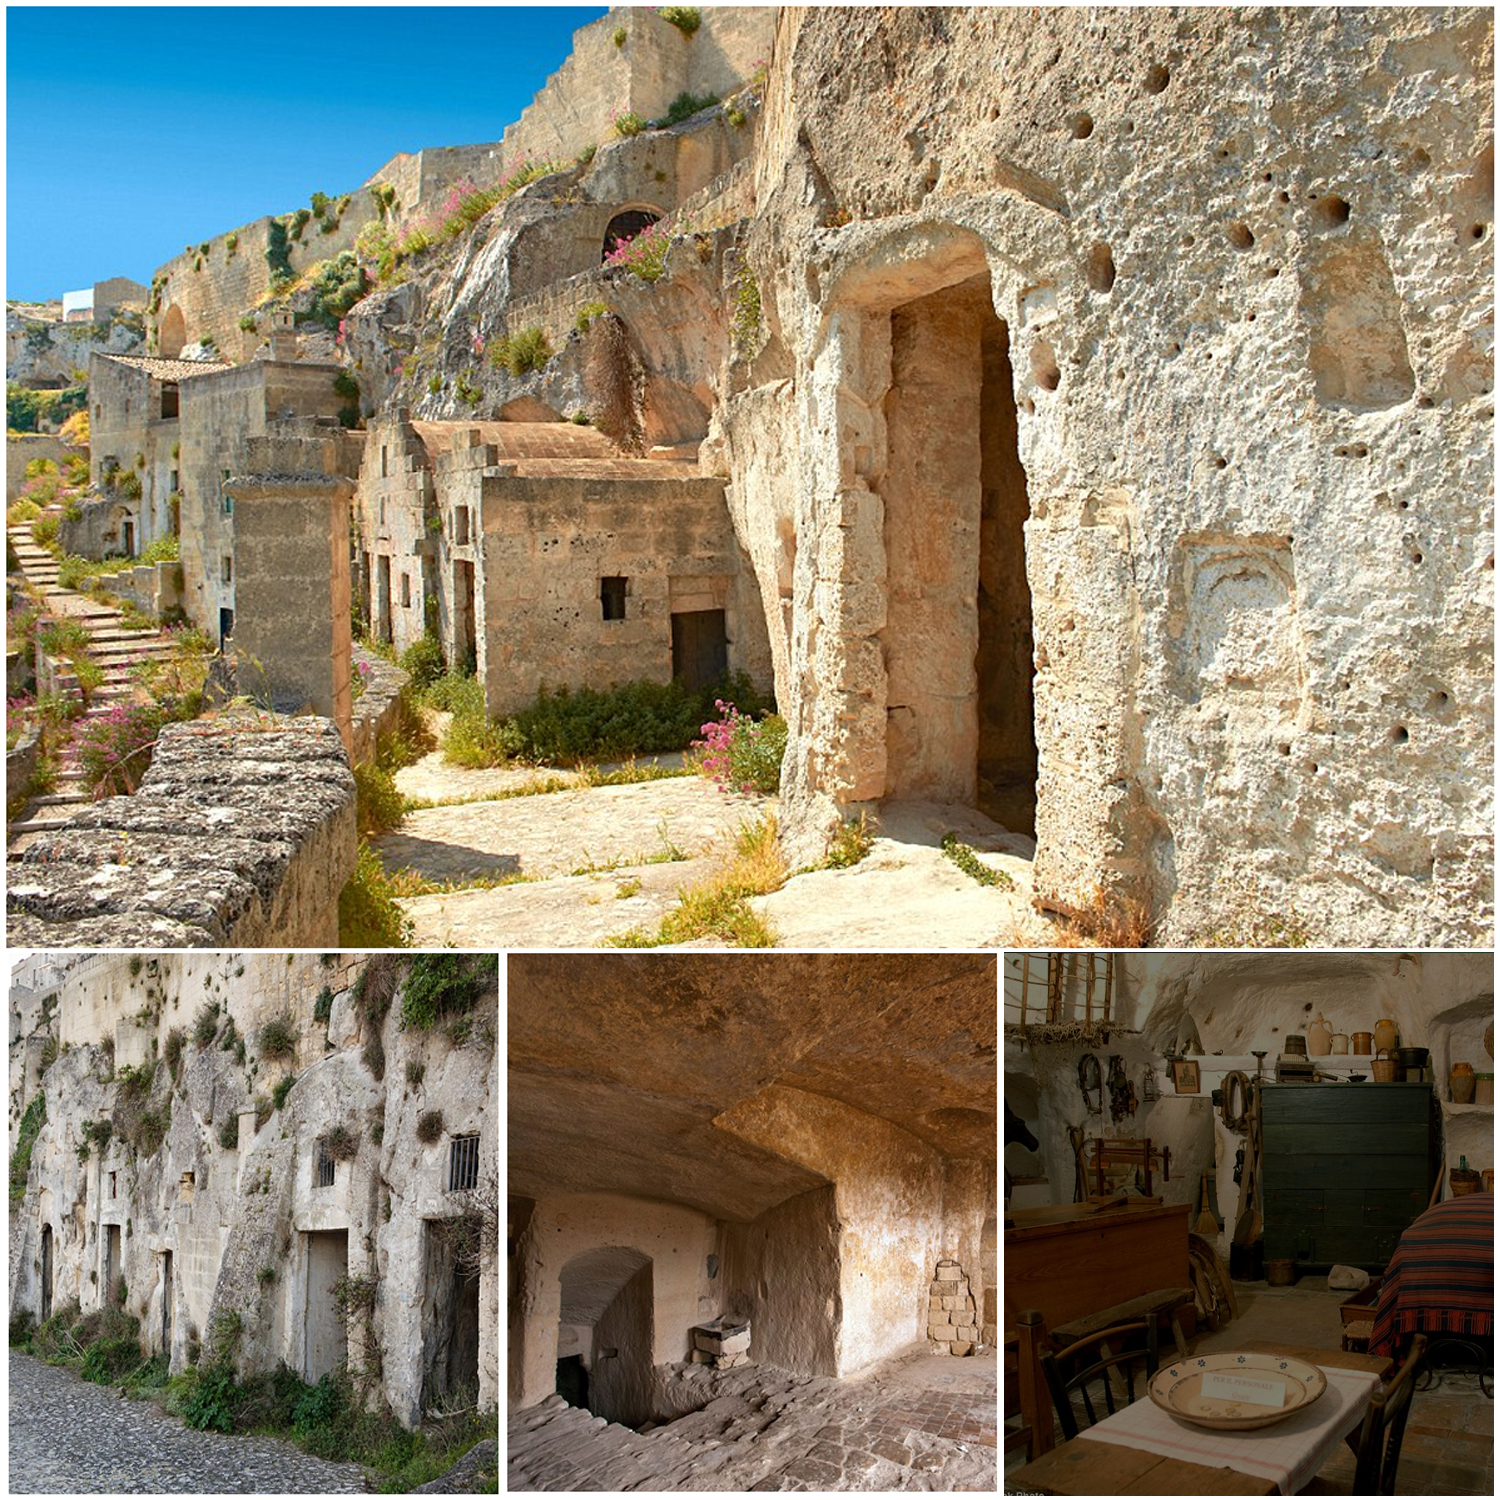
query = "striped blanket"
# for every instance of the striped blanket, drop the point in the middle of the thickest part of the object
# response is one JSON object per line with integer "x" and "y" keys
{"x": 1442, "y": 1276}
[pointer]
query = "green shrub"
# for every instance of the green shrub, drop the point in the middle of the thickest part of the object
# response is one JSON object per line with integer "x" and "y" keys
{"x": 282, "y": 1090}
{"x": 134, "y": 1082}
{"x": 415, "y": 1072}
{"x": 521, "y": 353}
{"x": 685, "y": 106}
{"x": 629, "y": 123}
{"x": 336, "y": 285}
{"x": 440, "y": 985}
{"x": 21, "y": 1324}
{"x": 588, "y": 313}
{"x": 321, "y": 1407}
{"x": 278, "y": 1038}
{"x": 323, "y": 1005}
{"x": 686, "y": 18}
{"x": 44, "y": 530}
{"x": 109, "y": 1359}
{"x": 211, "y": 1403}
{"x": 430, "y": 1127}
{"x": 344, "y": 384}
{"x": 341, "y": 1143}
{"x": 172, "y": 1052}
{"x": 621, "y": 36}
{"x": 422, "y": 661}
{"x": 467, "y": 391}
{"x": 974, "y": 867}
{"x": 26, "y": 1133}
{"x": 368, "y": 914}
{"x": 279, "y": 254}
{"x": 229, "y": 1133}
{"x": 206, "y": 1025}
{"x": 379, "y": 807}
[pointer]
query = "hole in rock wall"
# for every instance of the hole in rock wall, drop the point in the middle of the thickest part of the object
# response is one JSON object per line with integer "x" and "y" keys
{"x": 1356, "y": 343}
{"x": 46, "y": 1272}
{"x": 958, "y": 638}
{"x": 1101, "y": 267}
{"x": 166, "y": 1302}
{"x": 1158, "y": 76}
{"x": 111, "y": 1262}
{"x": 624, "y": 227}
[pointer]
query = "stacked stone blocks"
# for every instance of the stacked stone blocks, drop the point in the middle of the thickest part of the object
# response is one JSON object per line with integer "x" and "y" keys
{"x": 722, "y": 1344}
{"x": 952, "y": 1320}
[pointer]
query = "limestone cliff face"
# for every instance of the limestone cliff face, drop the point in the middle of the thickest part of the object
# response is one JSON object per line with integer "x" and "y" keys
{"x": 1240, "y": 263}
{"x": 207, "y": 1198}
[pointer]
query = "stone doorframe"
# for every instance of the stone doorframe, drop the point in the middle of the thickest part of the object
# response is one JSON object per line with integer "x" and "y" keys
{"x": 1090, "y": 837}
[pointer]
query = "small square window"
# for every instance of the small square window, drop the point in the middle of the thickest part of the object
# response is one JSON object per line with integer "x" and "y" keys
{"x": 385, "y": 470}
{"x": 460, "y": 525}
{"x": 382, "y": 510}
{"x": 226, "y": 571}
{"x": 406, "y": 591}
{"x": 463, "y": 1163}
{"x": 612, "y": 598}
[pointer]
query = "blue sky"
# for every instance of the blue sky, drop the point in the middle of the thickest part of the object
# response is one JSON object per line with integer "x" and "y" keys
{"x": 132, "y": 131}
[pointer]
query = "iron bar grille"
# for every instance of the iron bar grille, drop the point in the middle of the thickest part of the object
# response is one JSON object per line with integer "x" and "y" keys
{"x": 463, "y": 1163}
{"x": 325, "y": 1166}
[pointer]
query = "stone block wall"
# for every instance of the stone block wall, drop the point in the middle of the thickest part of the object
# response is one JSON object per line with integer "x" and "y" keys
{"x": 952, "y": 1316}
{"x": 242, "y": 832}
{"x": 20, "y": 449}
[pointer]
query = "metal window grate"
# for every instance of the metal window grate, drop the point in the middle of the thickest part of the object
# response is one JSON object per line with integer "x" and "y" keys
{"x": 463, "y": 1163}
{"x": 1059, "y": 988}
{"x": 325, "y": 1166}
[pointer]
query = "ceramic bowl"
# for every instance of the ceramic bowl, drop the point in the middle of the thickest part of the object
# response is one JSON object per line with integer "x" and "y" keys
{"x": 1356, "y": 1078}
{"x": 1176, "y": 1389}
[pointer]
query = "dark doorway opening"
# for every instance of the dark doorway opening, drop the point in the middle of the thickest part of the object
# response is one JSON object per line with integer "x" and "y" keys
{"x": 111, "y": 1262}
{"x": 46, "y": 1272}
{"x": 166, "y": 1302}
{"x": 383, "y": 598}
{"x": 226, "y": 625}
{"x": 130, "y": 539}
{"x": 327, "y": 1345}
{"x": 464, "y": 650}
{"x": 573, "y": 1381}
{"x": 958, "y": 637}
{"x": 624, "y": 227}
{"x": 451, "y": 1326}
{"x": 700, "y": 647}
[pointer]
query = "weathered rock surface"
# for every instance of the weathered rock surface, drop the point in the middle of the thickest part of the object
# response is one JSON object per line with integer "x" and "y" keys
{"x": 242, "y": 832}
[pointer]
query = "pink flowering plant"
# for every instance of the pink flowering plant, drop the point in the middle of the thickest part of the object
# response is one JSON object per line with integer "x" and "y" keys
{"x": 741, "y": 753}
{"x": 645, "y": 254}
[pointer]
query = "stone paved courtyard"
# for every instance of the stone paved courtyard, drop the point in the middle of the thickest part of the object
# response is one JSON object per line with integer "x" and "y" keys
{"x": 70, "y": 1437}
{"x": 916, "y": 1422}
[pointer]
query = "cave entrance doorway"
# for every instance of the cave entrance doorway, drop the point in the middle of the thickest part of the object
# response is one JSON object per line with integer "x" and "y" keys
{"x": 625, "y": 226}
{"x": 326, "y": 1344}
{"x": 573, "y": 1380}
{"x": 46, "y": 1272}
{"x": 111, "y": 1263}
{"x": 958, "y": 637}
{"x": 606, "y": 1319}
{"x": 465, "y": 653}
{"x": 166, "y": 1302}
{"x": 383, "y": 599}
{"x": 451, "y": 1337}
{"x": 129, "y": 538}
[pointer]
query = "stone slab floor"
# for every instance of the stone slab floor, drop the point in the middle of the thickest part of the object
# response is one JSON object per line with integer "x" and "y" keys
{"x": 70, "y": 1437}
{"x": 918, "y": 1421}
{"x": 1449, "y": 1444}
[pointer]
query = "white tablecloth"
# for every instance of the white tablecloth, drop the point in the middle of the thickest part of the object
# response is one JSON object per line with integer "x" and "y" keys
{"x": 1288, "y": 1454}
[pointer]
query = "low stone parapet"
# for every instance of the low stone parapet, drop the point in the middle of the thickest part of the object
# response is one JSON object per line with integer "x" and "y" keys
{"x": 242, "y": 834}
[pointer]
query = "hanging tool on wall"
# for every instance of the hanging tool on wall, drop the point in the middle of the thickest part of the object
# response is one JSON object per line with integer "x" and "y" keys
{"x": 1080, "y": 1171}
{"x": 1150, "y": 1088}
{"x": 1121, "y": 1090}
{"x": 1236, "y": 1104}
{"x": 1090, "y": 1082}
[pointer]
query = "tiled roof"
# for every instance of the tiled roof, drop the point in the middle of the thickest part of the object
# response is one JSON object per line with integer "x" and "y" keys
{"x": 168, "y": 369}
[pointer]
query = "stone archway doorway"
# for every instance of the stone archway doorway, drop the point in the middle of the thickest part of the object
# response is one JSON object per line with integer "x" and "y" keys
{"x": 606, "y": 1333}
{"x": 957, "y": 641}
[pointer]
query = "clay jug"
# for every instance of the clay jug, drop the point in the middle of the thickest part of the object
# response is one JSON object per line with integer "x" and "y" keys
{"x": 1319, "y": 1038}
{"x": 1385, "y": 1035}
{"x": 1360, "y": 1041}
{"x": 1461, "y": 1083}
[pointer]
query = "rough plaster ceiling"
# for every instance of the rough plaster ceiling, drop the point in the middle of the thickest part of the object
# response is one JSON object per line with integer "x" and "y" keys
{"x": 619, "y": 1063}
{"x": 591, "y": 1281}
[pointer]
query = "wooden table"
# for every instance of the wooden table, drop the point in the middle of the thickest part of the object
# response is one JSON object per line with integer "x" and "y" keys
{"x": 1084, "y": 1467}
{"x": 1073, "y": 1259}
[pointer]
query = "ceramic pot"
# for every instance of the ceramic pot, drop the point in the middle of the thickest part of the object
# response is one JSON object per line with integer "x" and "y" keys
{"x": 1319, "y": 1038}
{"x": 1461, "y": 1083}
{"x": 1361, "y": 1043}
{"x": 1484, "y": 1089}
{"x": 1385, "y": 1035}
{"x": 1340, "y": 1044}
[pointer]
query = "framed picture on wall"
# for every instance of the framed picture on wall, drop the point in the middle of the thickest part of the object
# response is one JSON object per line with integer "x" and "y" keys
{"x": 1185, "y": 1075}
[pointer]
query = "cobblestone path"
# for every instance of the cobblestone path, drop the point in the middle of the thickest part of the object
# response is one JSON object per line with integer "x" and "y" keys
{"x": 70, "y": 1437}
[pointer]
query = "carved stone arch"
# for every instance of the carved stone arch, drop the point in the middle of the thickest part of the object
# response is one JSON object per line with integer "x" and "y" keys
{"x": 626, "y": 223}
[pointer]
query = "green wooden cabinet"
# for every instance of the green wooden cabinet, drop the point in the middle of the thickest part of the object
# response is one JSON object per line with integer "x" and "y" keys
{"x": 1346, "y": 1169}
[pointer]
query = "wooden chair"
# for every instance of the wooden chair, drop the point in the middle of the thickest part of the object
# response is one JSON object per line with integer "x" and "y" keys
{"x": 1379, "y": 1449}
{"x": 1113, "y": 1363}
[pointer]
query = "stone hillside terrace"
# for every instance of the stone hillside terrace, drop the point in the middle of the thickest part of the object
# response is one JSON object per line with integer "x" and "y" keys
{"x": 548, "y": 450}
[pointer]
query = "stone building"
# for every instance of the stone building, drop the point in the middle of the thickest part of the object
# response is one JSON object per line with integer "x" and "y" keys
{"x": 240, "y": 1133}
{"x": 716, "y": 1164}
{"x": 540, "y": 556}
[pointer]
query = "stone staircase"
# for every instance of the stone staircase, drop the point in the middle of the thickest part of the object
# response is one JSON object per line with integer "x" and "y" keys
{"x": 116, "y": 650}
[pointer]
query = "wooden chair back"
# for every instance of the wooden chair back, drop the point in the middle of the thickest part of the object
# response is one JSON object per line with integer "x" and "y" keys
{"x": 1114, "y": 1359}
{"x": 1384, "y": 1426}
